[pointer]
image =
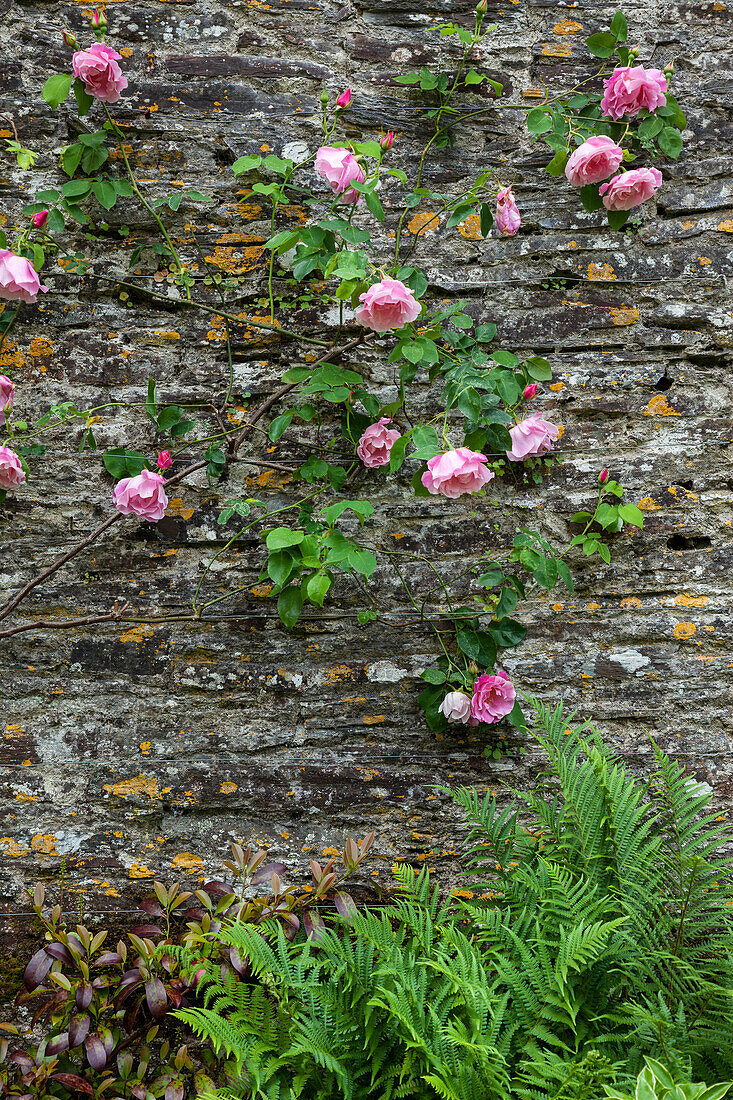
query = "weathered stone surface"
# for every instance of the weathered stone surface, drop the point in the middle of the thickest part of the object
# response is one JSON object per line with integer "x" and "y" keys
{"x": 143, "y": 751}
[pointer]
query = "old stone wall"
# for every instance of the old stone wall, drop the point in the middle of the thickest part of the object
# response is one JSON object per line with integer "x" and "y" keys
{"x": 140, "y": 751}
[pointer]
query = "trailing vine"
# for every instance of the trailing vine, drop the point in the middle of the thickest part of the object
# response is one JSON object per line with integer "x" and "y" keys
{"x": 475, "y": 425}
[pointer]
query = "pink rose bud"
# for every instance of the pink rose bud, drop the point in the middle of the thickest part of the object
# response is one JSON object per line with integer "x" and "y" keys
{"x": 387, "y": 305}
{"x": 339, "y": 168}
{"x": 387, "y": 140}
{"x": 142, "y": 496}
{"x": 669, "y": 68}
{"x": 603, "y": 477}
{"x": 629, "y": 90}
{"x": 531, "y": 437}
{"x": 530, "y": 391}
{"x": 40, "y": 219}
{"x": 164, "y": 460}
{"x": 19, "y": 280}
{"x": 634, "y": 53}
{"x": 6, "y": 397}
{"x": 630, "y": 189}
{"x": 99, "y": 20}
{"x": 507, "y": 219}
{"x": 70, "y": 39}
{"x": 344, "y": 99}
{"x": 375, "y": 445}
{"x": 97, "y": 68}
{"x": 456, "y": 707}
{"x": 12, "y": 473}
{"x": 493, "y": 697}
{"x": 595, "y": 160}
{"x": 482, "y": 7}
{"x": 456, "y": 472}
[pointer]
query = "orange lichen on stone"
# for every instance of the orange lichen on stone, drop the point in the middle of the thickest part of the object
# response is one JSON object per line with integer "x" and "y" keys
{"x": 624, "y": 315}
{"x": 553, "y": 49}
{"x": 139, "y": 870}
{"x": 601, "y": 273}
{"x": 684, "y": 630}
{"x": 44, "y": 844}
{"x": 659, "y": 406}
{"x": 685, "y": 600}
{"x": 189, "y": 863}
{"x": 338, "y": 673}
{"x": 567, "y": 26}
{"x": 631, "y": 601}
{"x": 471, "y": 228}
{"x": 556, "y": 386}
{"x": 175, "y": 508}
{"x": 141, "y": 784}
{"x": 419, "y": 222}
{"x": 137, "y": 633}
{"x": 374, "y": 719}
{"x": 649, "y": 504}
{"x": 228, "y": 788}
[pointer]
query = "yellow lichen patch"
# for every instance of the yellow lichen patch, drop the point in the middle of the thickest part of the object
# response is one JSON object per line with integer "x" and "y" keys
{"x": 141, "y": 784}
{"x": 704, "y": 261}
{"x": 139, "y": 870}
{"x": 261, "y": 589}
{"x": 557, "y": 386}
{"x": 659, "y": 406}
{"x": 44, "y": 844}
{"x": 554, "y": 49}
{"x": 558, "y": 606}
{"x": 424, "y": 222}
{"x": 649, "y": 504}
{"x": 189, "y": 863}
{"x": 11, "y": 847}
{"x": 601, "y": 273}
{"x": 725, "y": 226}
{"x": 685, "y": 600}
{"x": 684, "y": 630}
{"x": 269, "y": 479}
{"x": 624, "y": 315}
{"x": 237, "y": 259}
{"x": 471, "y": 228}
{"x": 228, "y": 788}
{"x": 373, "y": 719}
{"x": 567, "y": 26}
{"x": 533, "y": 93}
{"x": 175, "y": 508}
{"x": 145, "y": 748}
{"x": 137, "y": 633}
{"x": 162, "y": 336}
{"x": 21, "y": 796}
{"x": 338, "y": 673}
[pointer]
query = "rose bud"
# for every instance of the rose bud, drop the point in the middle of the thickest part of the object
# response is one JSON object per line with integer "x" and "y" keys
{"x": 530, "y": 391}
{"x": 164, "y": 460}
{"x": 344, "y": 99}
{"x": 603, "y": 477}
{"x": 40, "y": 219}
{"x": 70, "y": 39}
{"x": 387, "y": 141}
{"x": 668, "y": 68}
{"x": 482, "y": 7}
{"x": 99, "y": 21}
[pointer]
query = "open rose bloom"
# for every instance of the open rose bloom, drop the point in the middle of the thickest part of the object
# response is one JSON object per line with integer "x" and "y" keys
{"x": 456, "y": 707}
{"x": 7, "y": 389}
{"x": 19, "y": 280}
{"x": 456, "y": 472}
{"x": 387, "y": 305}
{"x": 12, "y": 473}
{"x": 593, "y": 161}
{"x": 376, "y": 443}
{"x": 507, "y": 219}
{"x": 631, "y": 89}
{"x": 493, "y": 697}
{"x": 531, "y": 437}
{"x": 630, "y": 189}
{"x": 142, "y": 496}
{"x": 339, "y": 168}
{"x": 97, "y": 68}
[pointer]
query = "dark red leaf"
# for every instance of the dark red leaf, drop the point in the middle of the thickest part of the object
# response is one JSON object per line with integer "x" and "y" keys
{"x": 313, "y": 925}
{"x": 156, "y": 997}
{"x": 21, "y": 1059}
{"x": 37, "y": 969}
{"x": 78, "y": 1029}
{"x": 84, "y": 994}
{"x": 108, "y": 958}
{"x": 265, "y": 873}
{"x": 174, "y": 1091}
{"x": 146, "y": 930}
{"x": 216, "y": 886}
{"x": 139, "y": 1091}
{"x": 345, "y": 905}
{"x": 58, "y": 1044}
{"x": 108, "y": 1041}
{"x": 152, "y": 907}
{"x": 59, "y": 951}
{"x": 96, "y": 1054}
{"x": 71, "y": 1081}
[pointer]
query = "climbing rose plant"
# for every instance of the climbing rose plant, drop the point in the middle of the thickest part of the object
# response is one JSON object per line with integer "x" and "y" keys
{"x": 602, "y": 133}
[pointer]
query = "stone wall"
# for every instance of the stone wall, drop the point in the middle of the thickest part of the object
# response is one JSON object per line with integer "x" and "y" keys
{"x": 140, "y": 751}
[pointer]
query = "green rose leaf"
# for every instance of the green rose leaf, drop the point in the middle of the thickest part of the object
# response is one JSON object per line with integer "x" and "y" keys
{"x": 56, "y": 89}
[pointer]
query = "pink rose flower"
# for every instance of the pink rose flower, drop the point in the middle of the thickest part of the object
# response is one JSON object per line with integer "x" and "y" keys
{"x": 339, "y": 168}
{"x": 11, "y": 469}
{"x": 595, "y": 160}
{"x": 387, "y": 305}
{"x": 40, "y": 219}
{"x": 630, "y": 188}
{"x": 164, "y": 460}
{"x": 456, "y": 472}
{"x": 456, "y": 707}
{"x": 142, "y": 496}
{"x": 531, "y": 437}
{"x": 508, "y": 220}
{"x": 529, "y": 391}
{"x": 493, "y": 697}
{"x": 344, "y": 99}
{"x": 19, "y": 280}
{"x": 97, "y": 68}
{"x": 6, "y": 396}
{"x": 376, "y": 443}
{"x": 629, "y": 90}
